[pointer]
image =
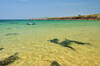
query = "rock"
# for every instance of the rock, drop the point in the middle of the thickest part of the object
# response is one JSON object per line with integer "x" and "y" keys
{"x": 11, "y": 34}
{"x": 9, "y": 60}
{"x": 54, "y": 63}
{"x": 1, "y": 48}
{"x": 31, "y": 23}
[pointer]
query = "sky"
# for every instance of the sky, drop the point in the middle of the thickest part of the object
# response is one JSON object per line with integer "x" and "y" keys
{"x": 24, "y": 9}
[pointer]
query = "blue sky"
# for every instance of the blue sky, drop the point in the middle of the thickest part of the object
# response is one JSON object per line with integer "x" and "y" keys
{"x": 24, "y": 9}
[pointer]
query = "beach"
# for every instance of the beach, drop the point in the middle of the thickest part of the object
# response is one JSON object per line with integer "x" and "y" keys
{"x": 35, "y": 45}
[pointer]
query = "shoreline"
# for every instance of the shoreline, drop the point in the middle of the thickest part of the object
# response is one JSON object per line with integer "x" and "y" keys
{"x": 79, "y": 17}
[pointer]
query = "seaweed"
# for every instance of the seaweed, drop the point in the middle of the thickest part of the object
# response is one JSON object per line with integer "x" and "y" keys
{"x": 54, "y": 63}
{"x": 1, "y": 48}
{"x": 67, "y": 43}
{"x": 9, "y": 60}
{"x": 9, "y": 34}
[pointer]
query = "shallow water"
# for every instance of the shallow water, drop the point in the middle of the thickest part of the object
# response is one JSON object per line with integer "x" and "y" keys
{"x": 34, "y": 48}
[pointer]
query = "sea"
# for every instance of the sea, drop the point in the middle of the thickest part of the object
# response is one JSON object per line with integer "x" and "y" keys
{"x": 50, "y": 43}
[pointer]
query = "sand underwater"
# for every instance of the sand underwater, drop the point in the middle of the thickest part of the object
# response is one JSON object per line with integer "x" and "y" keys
{"x": 50, "y": 43}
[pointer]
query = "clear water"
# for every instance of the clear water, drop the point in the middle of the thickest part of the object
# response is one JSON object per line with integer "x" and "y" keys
{"x": 33, "y": 48}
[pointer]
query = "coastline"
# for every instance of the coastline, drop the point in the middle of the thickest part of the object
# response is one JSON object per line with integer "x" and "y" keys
{"x": 79, "y": 17}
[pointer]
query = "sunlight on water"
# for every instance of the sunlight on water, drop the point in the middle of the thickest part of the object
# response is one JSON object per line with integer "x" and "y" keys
{"x": 50, "y": 43}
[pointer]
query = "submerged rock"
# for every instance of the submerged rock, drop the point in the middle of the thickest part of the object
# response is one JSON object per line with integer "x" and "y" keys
{"x": 54, "y": 40}
{"x": 54, "y": 63}
{"x": 9, "y": 60}
{"x": 1, "y": 48}
{"x": 9, "y": 34}
{"x": 68, "y": 42}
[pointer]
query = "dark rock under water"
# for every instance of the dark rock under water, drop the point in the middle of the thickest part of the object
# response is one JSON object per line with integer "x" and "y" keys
{"x": 1, "y": 48}
{"x": 9, "y": 34}
{"x": 9, "y": 60}
{"x": 67, "y": 42}
{"x": 55, "y": 63}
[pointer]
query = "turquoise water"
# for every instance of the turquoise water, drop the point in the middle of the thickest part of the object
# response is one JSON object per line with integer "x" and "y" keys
{"x": 32, "y": 45}
{"x": 21, "y": 25}
{"x": 48, "y": 23}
